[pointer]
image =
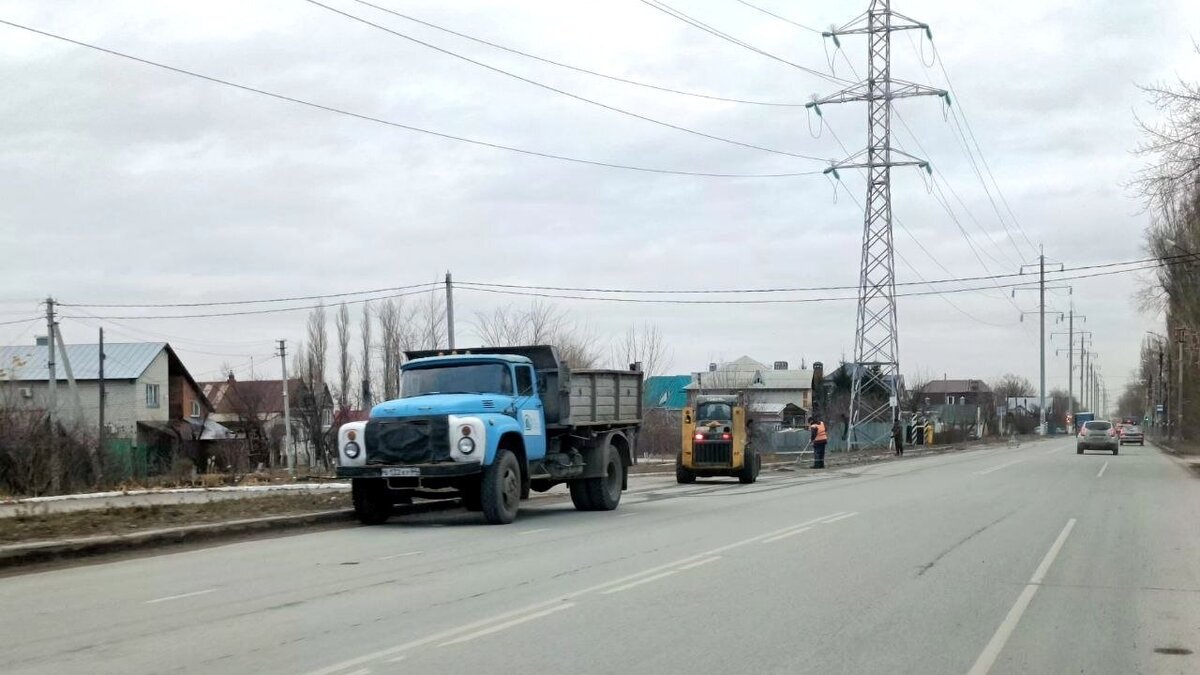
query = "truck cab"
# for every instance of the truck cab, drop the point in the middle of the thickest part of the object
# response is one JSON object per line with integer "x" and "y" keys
{"x": 492, "y": 424}
{"x": 716, "y": 441}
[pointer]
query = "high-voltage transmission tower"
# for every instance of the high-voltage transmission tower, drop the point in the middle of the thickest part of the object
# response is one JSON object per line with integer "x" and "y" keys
{"x": 875, "y": 394}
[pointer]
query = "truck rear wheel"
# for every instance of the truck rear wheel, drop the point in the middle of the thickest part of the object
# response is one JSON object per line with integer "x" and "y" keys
{"x": 682, "y": 475}
{"x": 372, "y": 503}
{"x": 602, "y": 493}
{"x": 500, "y": 493}
{"x": 749, "y": 471}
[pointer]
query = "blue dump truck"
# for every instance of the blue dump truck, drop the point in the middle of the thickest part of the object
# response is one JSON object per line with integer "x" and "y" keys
{"x": 492, "y": 424}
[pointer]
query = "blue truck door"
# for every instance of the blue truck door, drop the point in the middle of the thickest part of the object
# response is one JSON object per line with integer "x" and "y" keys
{"x": 532, "y": 417}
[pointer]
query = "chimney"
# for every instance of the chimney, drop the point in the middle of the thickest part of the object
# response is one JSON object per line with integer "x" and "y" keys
{"x": 818, "y": 369}
{"x": 781, "y": 365}
{"x": 712, "y": 367}
{"x": 41, "y": 341}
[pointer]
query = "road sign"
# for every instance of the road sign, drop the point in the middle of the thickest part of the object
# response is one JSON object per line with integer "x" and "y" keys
{"x": 1158, "y": 408}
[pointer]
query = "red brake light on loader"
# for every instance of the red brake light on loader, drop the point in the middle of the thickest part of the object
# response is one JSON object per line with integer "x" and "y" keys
{"x": 726, "y": 437}
{"x": 699, "y": 437}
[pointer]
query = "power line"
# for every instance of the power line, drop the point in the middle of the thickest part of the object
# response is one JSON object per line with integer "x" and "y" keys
{"x": 215, "y": 303}
{"x": 696, "y": 23}
{"x": 398, "y": 125}
{"x": 950, "y": 85}
{"x": 249, "y": 312}
{"x": 668, "y": 301}
{"x": 17, "y": 321}
{"x": 577, "y": 69}
{"x": 563, "y": 92}
{"x": 781, "y": 18}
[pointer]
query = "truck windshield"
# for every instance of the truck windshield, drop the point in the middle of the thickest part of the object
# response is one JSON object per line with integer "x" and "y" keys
{"x": 714, "y": 411}
{"x": 466, "y": 378}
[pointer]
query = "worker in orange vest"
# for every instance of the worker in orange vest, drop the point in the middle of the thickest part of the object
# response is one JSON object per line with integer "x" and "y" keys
{"x": 819, "y": 437}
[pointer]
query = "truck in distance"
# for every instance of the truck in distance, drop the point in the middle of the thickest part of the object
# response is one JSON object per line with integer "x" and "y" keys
{"x": 492, "y": 424}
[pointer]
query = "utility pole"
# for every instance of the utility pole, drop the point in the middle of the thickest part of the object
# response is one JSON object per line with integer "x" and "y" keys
{"x": 103, "y": 398}
{"x": 288, "y": 448}
{"x": 1179, "y": 405}
{"x": 876, "y": 344}
{"x": 1041, "y": 312}
{"x": 449, "y": 311}
{"x": 52, "y": 403}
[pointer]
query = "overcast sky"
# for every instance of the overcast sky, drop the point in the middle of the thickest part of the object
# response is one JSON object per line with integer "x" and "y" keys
{"x": 122, "y": 183}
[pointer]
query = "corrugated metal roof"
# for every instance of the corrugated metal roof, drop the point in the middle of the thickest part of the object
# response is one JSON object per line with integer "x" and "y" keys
{"x": 666, "y": 391}
{"x": 123, "y": 361}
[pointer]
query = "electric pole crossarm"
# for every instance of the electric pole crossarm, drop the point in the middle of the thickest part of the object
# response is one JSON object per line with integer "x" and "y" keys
{"x": 851, "y": 163}
{"x": 862, "y": 92}
{"x": 861, "y": 25}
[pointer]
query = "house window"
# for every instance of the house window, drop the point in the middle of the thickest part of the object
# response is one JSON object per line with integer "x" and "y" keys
{"x": 152, "y": 396}
{"x": 949, "y": 400}
{"x": 195, "y": 408}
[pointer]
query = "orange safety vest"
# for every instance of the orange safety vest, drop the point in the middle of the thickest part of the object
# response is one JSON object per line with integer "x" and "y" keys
{"x": 822, "y": 437}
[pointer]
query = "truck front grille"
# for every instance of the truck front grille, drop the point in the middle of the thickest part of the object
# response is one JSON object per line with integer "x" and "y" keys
{"x": 408, "y": 441}
{"x": 709, "y": 452}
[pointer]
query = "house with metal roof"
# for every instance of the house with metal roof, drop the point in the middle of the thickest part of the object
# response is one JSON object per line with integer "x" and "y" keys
{"x": 777, "y": 396}
{"x": 253, "y": 410}
{"x": 152, "y": 405}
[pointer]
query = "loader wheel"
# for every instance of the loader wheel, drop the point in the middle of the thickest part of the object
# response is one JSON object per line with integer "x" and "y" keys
{"x": 501, "y": 490}
{"x": 683, "y": 476}
{"x": 749, "y": 471}
{"x": 372, "y": 503}
{"x": 602, "y": 493}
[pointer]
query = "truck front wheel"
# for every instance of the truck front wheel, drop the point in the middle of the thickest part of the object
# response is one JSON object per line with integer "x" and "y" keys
{"x": 372, "y": 503}
{"x": 602, "y": 493}
{"x": 500, "y": 493}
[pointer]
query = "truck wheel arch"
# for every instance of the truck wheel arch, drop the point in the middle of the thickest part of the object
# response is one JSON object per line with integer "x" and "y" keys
{"x": 515, "y": 443}
{"x": 620, "y": 442}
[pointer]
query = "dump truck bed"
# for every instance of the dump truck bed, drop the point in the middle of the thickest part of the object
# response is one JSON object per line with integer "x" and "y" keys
{"x": 604, "y": 397}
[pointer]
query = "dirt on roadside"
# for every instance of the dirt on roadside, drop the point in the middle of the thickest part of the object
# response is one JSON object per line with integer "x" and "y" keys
{"x": 129, "y": 519}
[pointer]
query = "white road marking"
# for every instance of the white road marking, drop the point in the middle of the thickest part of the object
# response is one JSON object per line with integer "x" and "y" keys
{"x": 992, "y": 651}
{"x": 639, "y": 582}
{"x": 785, "y": 535}
{"x": 508, "y": 624}
{"x": 997, "y": 468}
{"x": 700, "y": 562}
{"x": 180, "y": 596}
{"x": 450, "y": 632}
{"x": 841, "y": 517}
{"x": 398, "y": 659}
{"x": 1102, "y": 470}
{"x": 628, "y": 513}
{"x": 400, "y": 555}
{"x": 1051, "y": 451}
{"x": 540, "y": 529}
{"x": 360, "y": 671}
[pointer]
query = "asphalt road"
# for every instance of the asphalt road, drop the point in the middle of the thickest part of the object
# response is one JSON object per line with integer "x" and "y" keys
{"x": 1006, "y": 560}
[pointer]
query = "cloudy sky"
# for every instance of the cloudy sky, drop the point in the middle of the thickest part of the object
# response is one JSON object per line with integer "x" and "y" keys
{"x": 124, "y": 183}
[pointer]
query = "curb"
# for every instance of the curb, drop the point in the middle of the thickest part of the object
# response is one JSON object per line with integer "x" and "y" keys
{"x": 16, "y": 555}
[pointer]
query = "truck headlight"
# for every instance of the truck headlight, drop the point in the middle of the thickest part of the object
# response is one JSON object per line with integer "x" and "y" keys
{"x": 351, "y": 449}
{"x": 466, "y": 445}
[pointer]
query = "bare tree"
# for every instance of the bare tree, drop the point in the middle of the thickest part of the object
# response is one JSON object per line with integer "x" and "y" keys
{"x": 1172, "y": 144}
{"x": 345, "y": 364}
{"x": 430, "y": 319}
{"x": 642, "y": 344}
{"x": 391, "y": 337}
{"x": 1010, "y": 385}
{"x": 364, "y": 327}
{"x": 539, "y": 323}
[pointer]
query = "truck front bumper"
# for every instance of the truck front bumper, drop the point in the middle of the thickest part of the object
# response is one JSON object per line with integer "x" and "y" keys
{"x": 440, "y": 470}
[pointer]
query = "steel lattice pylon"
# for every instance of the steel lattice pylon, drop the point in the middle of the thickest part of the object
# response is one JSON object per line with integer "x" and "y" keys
{"x": 875, "y": 393}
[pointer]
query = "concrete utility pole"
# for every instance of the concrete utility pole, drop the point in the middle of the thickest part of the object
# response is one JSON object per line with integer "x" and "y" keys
{"x": 1179, "y": 404}
{"x": 449, "y": 311}
{"x": 288, "y": 448}
{"x": 876, "y": 345}
{"x": 102, "y": 399}
{"x": 52, "y": 402}
{"x": 1041, "y": 312}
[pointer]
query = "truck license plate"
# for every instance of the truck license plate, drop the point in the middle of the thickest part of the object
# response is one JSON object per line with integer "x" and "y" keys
{"x": 396, "y": 471}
